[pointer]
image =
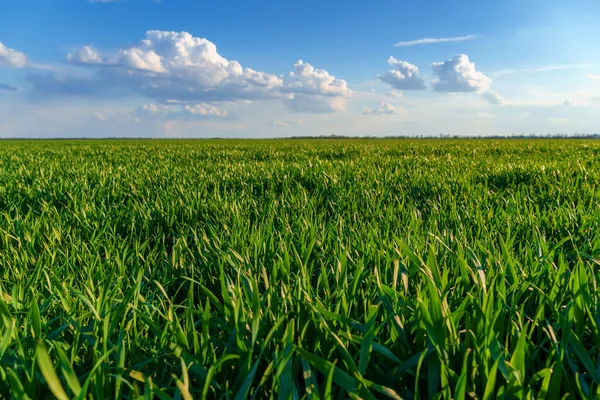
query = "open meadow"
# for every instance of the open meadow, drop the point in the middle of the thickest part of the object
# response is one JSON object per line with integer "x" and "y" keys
{"x": 303, "y": 269}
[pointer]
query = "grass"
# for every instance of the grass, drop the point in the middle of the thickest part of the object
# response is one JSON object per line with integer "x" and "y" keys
{"x": 300, "y": 269}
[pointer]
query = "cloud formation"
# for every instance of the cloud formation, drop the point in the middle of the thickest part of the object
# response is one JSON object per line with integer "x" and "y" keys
{"x": 314, "y": 90}
{"x": 402, "y": 76}
{"x": 175, "y": 112}
{"x": 493, "y": 98}
{"x": 12, "y": 58}
{"x": 85, "y": 55}
{"x": 458, "y": 74}
{"x": 177, "y": 66}
{"x": 383, "y": 109}
{"x": 435, "y": 40}
{"x": 308, "y": 80}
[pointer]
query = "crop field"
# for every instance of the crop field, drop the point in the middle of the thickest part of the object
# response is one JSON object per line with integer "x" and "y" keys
{"x": 315, "y": 269}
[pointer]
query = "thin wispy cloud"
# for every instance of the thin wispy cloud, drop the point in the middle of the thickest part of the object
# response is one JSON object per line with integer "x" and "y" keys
{"x": 436, "y": 40}
{"x": 546, "y": 68}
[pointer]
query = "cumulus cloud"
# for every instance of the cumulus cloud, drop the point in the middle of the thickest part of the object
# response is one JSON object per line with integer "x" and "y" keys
{"x": 11, "y": 57}
{"x": 314, "y": 90}
{"x": 179, "y": 112}
{"x": 402, "y": 76}
{"x": 383, "y": 109}
{"x": 85, "y": 55}
{"x": 435, "y": 40}
{"x": 165, "y": 65}
{"x": 5, "y": 86}
{"x": 176, "y": 65}
{"x": 307, "y": 79}
{"x": 493, "y": 98}
{"x": 458, "y": 74}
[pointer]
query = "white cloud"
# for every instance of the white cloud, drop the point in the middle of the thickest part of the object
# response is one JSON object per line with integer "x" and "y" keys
{"x": 11, "y": 57}
{"x": 558, "y": 120}
{"x": 403, "y": 76}
{"x": 179, "y": 112}
{"x": 493, "y": 98}
{"x": 85, "y": 55}
{"x": 308, "y": 80}
{"x": 435, "y": 40}
{"x": 383, "y": 109}
{"x": 183, "y": 63}
{"x": 459, "y": 75}
{"x": 595, "y": 77}
{"x": 314, "y": 90}
{"x": 178, "y": 66}
{"x": 166, "y": 65}
{"x": 487, "y": 115}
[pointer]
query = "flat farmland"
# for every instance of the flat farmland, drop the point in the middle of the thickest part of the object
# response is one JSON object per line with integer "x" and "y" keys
{"x": 303, "y": 269}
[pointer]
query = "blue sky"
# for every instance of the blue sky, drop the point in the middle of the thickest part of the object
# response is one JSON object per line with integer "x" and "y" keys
{"x": 203, "y": 69}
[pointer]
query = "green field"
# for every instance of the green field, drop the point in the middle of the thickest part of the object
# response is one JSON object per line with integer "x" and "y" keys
{"x": 296, "y": 269}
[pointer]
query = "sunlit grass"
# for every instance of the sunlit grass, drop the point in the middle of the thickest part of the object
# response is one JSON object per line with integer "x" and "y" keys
{"x": 299, "y": 269}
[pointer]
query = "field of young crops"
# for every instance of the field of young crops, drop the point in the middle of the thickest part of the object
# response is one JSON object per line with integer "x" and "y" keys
{"x": 310, "y": 269}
